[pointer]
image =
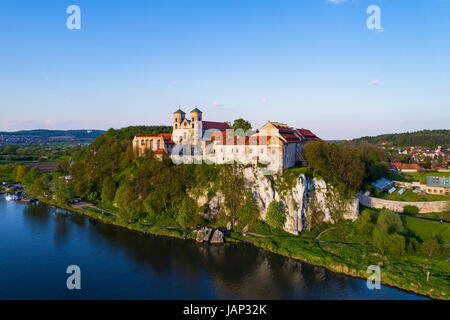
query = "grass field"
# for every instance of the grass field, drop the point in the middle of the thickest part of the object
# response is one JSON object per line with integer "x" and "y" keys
{"x": 422, "y": 176}
{"x": 409, "y": 195}
{"x": 426, "y": 229}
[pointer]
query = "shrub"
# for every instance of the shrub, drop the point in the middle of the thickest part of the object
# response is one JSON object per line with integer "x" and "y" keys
{"x": 248, "y": 213}
{"x": 412, "y": 246}
{"x": 275, "y": 215}
{"x": 364, "y": 223}
{"x": 393, "y": 244}
{"x": 411, "y": 210}
{"x": 390, "y": 222}
{"x": 431, "y": 247}
{"x": 187, "y": 213}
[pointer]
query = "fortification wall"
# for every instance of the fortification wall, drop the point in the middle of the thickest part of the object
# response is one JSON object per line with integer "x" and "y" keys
{"x": 424, "y": 206}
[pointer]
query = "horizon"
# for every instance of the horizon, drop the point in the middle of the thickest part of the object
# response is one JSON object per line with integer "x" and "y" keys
{"x": 313, "y": 65}
{"x": 138, "y": 125}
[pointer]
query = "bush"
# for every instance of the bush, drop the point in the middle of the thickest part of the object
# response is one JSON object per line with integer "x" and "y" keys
{"x": 393, "y": 244}
{"x": 412, "y": 246}
{"x": 248, "y": 213}
{"x": 390, "y": 222}
{"x": 411, "y": 210}
{"x": 364, "y": 223}
{"x": 432, "y": 247}
{"x": 275, "y": 215}
{"x": 187, "y": 213}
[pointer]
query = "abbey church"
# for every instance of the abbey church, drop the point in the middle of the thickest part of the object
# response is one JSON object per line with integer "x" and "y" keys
{"x": 275, "y": 145}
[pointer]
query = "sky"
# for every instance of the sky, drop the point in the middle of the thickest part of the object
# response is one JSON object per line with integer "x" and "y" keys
{"x": 309, "y": 63}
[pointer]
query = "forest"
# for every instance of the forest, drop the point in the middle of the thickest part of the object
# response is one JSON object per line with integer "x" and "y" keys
{"x": 424, "y": 138}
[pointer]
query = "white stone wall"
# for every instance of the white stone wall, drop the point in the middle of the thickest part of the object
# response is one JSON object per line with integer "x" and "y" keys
{"x": 397, "y": 206}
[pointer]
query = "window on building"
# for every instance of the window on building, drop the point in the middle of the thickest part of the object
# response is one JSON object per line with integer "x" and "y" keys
{"x": 176, "y": 126}
{"x": 273, "y": 151}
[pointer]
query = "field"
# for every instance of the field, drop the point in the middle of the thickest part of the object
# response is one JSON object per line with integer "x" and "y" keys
{"x": 422, "y": 176}
{"x": 409, "y": 195}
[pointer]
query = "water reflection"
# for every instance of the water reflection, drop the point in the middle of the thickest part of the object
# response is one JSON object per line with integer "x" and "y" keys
{"x": 129, "y": 264}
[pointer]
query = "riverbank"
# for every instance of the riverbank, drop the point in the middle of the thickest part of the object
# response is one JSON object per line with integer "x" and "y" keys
{"x": 351, "y": 260}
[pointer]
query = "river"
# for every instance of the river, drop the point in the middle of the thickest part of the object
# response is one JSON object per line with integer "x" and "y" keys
{"x": 39, "y": 242}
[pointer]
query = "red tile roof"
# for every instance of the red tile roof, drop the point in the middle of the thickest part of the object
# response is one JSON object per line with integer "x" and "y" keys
{"x": 215, "y": 125}
{"x": 307, "y": 134}
{"x": 167, "y": 137}
{"x": 290, "y": 137}
{"x": 406, "y": 166}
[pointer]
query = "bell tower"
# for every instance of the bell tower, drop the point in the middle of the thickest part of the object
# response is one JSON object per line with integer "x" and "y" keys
{"x": 196, "y": 123}
{"x": 178, "y": 116}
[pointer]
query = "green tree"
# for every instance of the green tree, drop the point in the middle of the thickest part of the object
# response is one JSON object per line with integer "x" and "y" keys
{"x": 337, "y": 164}
{"x": 248, "y": 213}
{"x": 40, "y": 187}
{"x": 432, "y": 247}
{"x": 124, "y": 200}
{"x": 20, "y": 172}
{"x": 241, "y": 124}
{"x": 393, "y": 244}
{"x": 63, "y": 191}
{"x": 390, "y": 222}
{"x": 31, "y": 176}
{"x": 108, "y": 190}
{"x": 275, "y": 215}
{"x": 187, "y": 215}
{"x": 364, "y": 223}
{"x": 411, "y": 210}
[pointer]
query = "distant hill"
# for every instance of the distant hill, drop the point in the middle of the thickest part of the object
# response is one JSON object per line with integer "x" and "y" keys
{"x": 43, "y": 135}
{"x": 424, "y": 138}
{"x": 78, "y": 134}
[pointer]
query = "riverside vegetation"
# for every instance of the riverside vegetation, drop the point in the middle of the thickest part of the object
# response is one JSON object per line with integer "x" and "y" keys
{"x": 149, "y": 195}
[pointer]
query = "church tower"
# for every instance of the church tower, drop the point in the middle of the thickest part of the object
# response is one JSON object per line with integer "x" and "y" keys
{"x": 196, "y": 123}
{"x": 178, "y": 116}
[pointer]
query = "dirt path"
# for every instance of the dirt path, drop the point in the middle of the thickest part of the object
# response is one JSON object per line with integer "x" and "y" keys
{"x": 82, "y": 205}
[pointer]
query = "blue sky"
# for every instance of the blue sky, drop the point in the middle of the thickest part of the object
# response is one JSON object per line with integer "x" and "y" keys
{"x": 309, "y": 63}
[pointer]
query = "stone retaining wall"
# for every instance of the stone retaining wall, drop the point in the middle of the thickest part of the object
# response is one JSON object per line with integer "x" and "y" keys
{"x": 424, "y": 207}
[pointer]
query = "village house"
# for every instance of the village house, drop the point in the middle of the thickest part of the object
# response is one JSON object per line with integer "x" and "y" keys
{"x": 438, "y": 185}
{"x": 276, "y": 145}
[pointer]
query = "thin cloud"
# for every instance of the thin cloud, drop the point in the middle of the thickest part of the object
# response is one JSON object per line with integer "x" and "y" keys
{"x": 216, "y": 104}
{"x": 376, "y": 83}
{"x": 336, "y": 1}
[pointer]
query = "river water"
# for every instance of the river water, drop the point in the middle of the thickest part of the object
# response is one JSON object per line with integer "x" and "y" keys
{"x": 39, "y": 242}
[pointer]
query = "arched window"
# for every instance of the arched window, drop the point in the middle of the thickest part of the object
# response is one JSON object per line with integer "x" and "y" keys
{"x": 158, "y": 143}
{"x": 151, "y": 144}
{"x": 176, "y": 125}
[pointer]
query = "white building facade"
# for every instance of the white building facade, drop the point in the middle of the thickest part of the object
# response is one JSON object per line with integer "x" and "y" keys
{"x": 194, "y": 140}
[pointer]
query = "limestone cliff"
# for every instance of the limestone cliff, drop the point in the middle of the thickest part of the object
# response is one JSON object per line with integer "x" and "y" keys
{"x": 298, "y": 198}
